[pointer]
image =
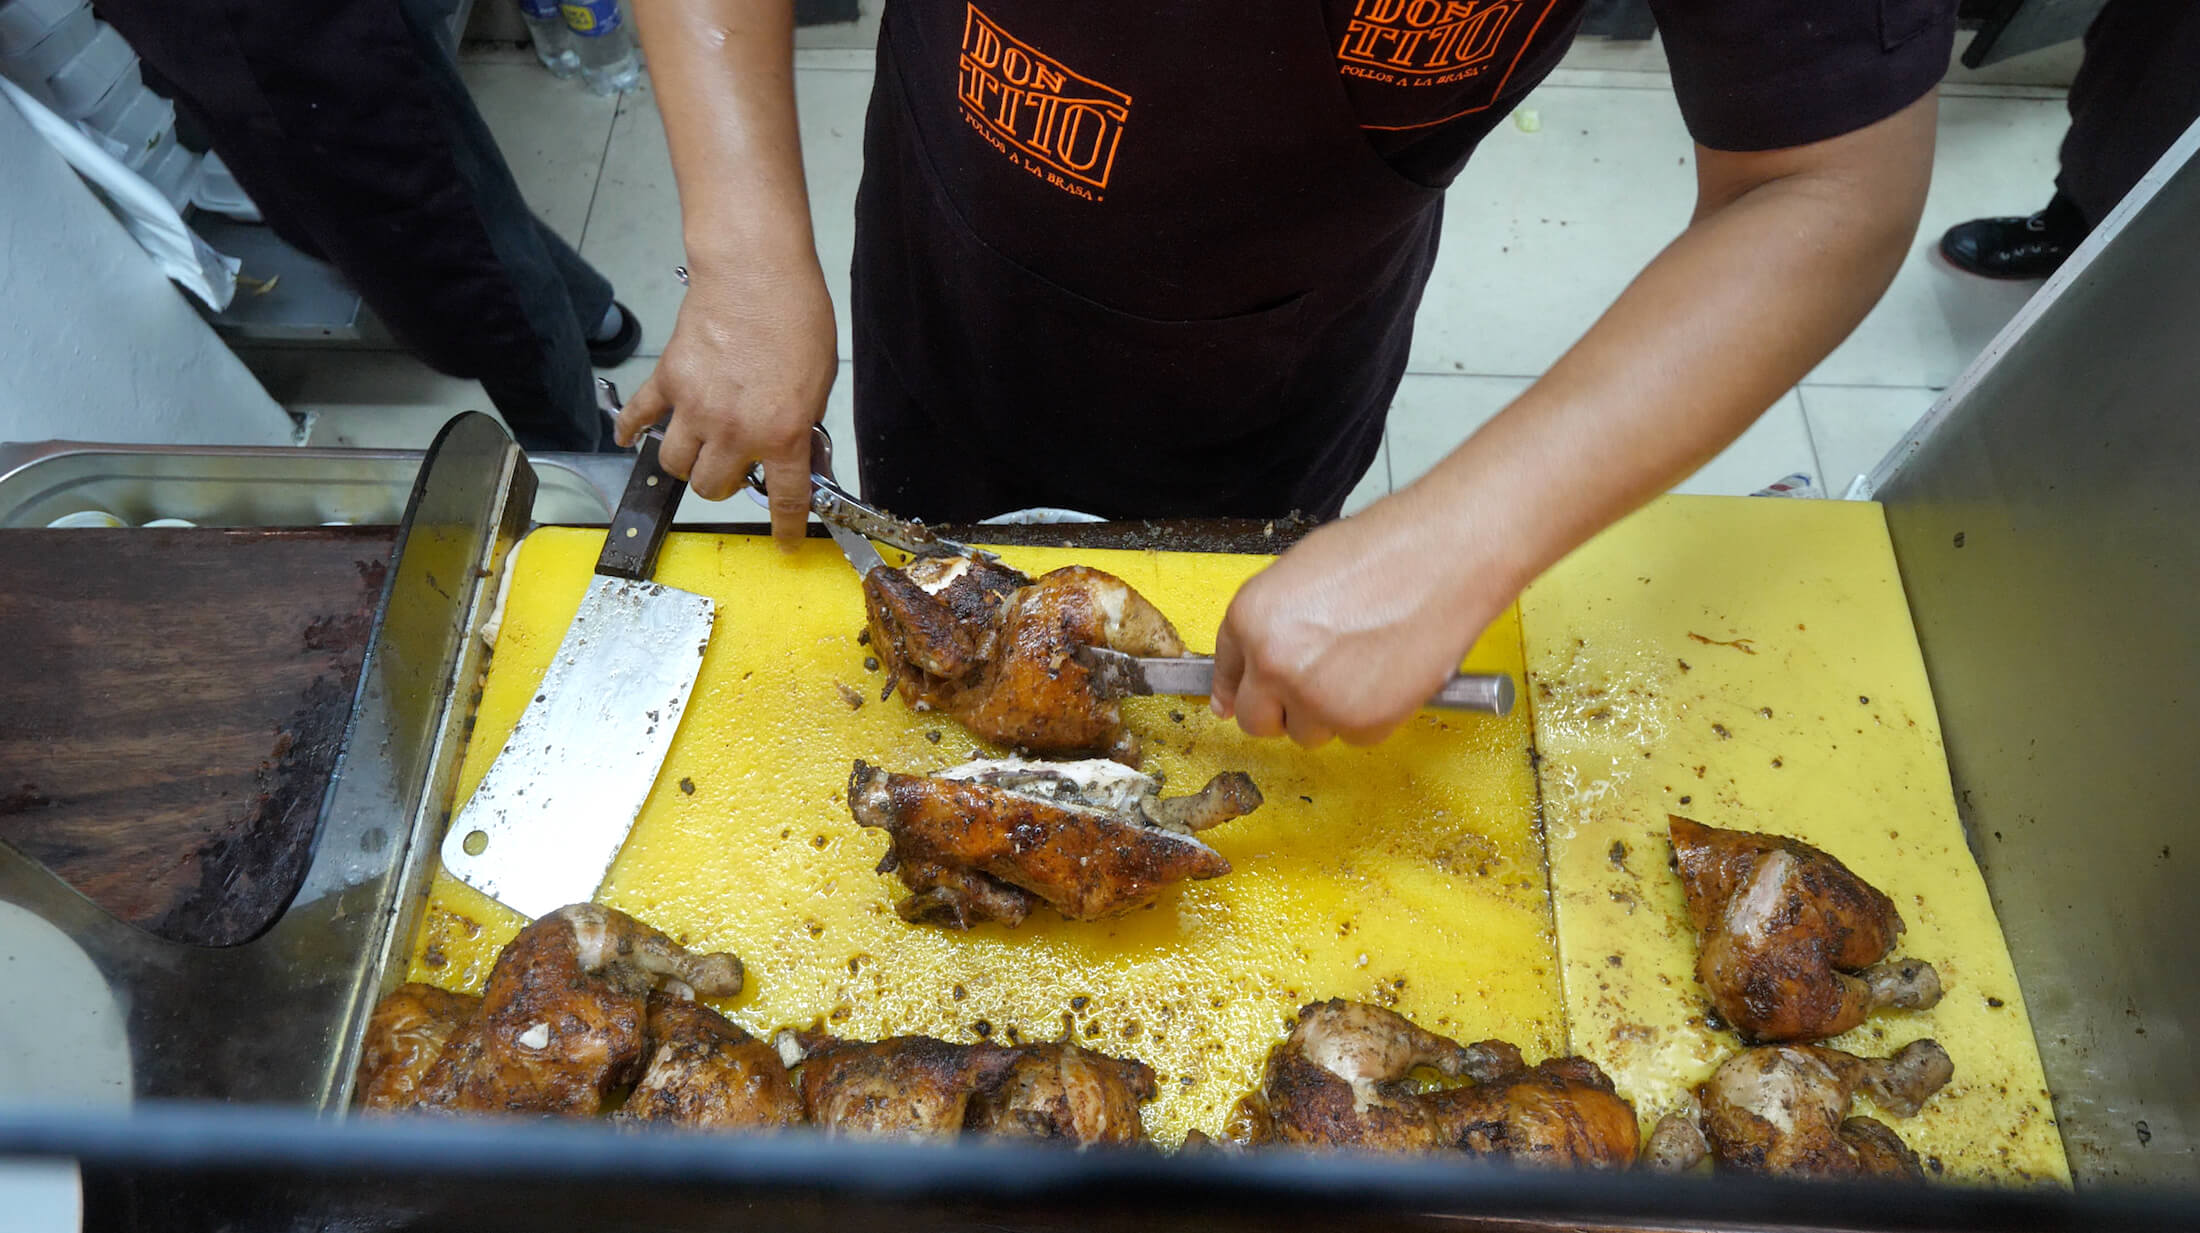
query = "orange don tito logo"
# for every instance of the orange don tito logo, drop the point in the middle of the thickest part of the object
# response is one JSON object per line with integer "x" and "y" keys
{"x": 1064, "y": 125}
{"x": 1427, "y": 37}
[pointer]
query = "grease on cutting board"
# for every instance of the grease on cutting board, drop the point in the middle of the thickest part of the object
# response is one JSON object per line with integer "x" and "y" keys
{"x": 1410, "y": 876}
{"x": 1750, "y": 663}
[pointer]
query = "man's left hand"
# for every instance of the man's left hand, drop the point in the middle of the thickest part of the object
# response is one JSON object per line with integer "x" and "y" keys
{"x": 1351, "y": 631}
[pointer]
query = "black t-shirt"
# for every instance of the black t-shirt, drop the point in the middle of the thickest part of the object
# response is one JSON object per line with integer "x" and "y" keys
{"x": 1430, "y": 78}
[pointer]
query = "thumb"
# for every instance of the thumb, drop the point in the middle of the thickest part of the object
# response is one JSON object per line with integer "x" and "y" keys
{"x": 647, "y": 407}
{"x": 1229, "y": 670}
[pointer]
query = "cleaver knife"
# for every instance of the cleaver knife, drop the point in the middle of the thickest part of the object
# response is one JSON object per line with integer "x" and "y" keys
{"x": 1116, "y": 674}
{"x": 552, "y": 811}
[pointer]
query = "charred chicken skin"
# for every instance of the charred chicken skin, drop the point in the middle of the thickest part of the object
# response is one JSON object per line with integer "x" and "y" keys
{"x": 1789, "y": 942}
{"x": 992, "y": 648}
{"x": 563, "y": 1018}
{"x": 987, "y": 840}
{"x": 1784, "y": 1109}
{"x": 405, "y": 1035}
{"x": 917, "y": 1087}
{"x": 702, "y": 1070}
{"x": 1342, "y": 1078}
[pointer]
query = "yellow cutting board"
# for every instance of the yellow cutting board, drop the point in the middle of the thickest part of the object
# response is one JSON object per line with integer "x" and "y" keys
{"x": 1411, "y": 875}
{"x": 1750, "y": 663}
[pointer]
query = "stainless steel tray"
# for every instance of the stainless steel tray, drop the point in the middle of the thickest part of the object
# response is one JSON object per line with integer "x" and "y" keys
{"x": 264, "y": 486}
{"x": 277, "y": 1020}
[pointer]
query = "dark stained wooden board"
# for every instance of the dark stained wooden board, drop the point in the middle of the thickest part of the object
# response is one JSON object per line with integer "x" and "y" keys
{"x": 171, "y": 706}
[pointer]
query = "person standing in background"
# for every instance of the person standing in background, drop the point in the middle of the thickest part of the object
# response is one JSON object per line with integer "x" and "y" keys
{"x": 348, "y": 124}
{"x": 2136, "y": 92}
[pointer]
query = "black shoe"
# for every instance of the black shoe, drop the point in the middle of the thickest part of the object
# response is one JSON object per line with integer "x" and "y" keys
{"x": 2031, "y": 247}
{"x": 620, "y": 347}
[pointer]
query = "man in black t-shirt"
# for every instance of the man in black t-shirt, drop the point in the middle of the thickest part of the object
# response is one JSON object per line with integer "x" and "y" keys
{"x": 2136, "y": 92}
{"x": 1162, "y": 257}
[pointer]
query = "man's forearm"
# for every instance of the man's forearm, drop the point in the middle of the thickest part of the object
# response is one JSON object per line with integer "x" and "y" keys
{"x": 723, "y": 71}
{"x": 1768, "y": 279}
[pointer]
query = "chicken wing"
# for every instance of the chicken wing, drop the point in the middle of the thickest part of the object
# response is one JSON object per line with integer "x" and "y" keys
{"x": 992, "y": 648}
{"x": 563, "y": 1016}
{"x": 986, "y": 840}
{"x": 1343, "y": 1078}
{"x": 405, "y": 1035}
{"x": 1784, "y": 1109}
{"x": 704, "y": 1071}
{"x": 1789, "y": 942}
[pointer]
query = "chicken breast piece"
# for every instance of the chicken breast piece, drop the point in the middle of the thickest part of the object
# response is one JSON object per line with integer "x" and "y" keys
{"x": 991, "y": 647}
{"x": 1784, "y": 1109}
{"x": 1344, "y": 1078}
{"x": 564, "y": 1015}
{"x": 986, "y": 840}
{"x": 1788, "y": 938}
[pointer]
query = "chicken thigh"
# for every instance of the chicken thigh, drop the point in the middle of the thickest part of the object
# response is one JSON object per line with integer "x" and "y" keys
{"x": 1066, "y": 1094}
{"x": 1784, "y": 1109}
{"x": 992, "y": 648}
{"x": 405, "y": 1035}
{"x": 704, "y": 1071}
{"x": 1789, "y": 942}
{"x": 1342, "y": 1078}
{"x": 986, "y": 840}
{"x": 904, "y": 1087}
{"x": 563, "y": 1016}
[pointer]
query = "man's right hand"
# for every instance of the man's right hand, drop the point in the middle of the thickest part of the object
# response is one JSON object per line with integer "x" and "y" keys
{"x": 745, "y": 375}
{"x": 752, "y": 356}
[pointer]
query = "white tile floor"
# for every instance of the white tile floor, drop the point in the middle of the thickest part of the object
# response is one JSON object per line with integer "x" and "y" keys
{"x": 1541, "y": 232}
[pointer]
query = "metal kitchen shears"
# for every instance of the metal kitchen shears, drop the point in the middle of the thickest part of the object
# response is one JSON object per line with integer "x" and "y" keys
{"x": 853, "y": 524}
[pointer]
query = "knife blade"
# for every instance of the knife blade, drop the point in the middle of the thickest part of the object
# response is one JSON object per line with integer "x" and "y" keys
{"x": 553, "y": 810}
{"x": 1116, "y": 675}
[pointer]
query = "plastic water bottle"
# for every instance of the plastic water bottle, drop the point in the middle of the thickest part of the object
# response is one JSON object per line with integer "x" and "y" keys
{"x": 553, "y": 42}
{"x": 609, "y": 63}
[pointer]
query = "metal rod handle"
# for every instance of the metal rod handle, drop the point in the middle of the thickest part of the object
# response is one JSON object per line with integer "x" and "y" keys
{"x": 1473, "y": 691}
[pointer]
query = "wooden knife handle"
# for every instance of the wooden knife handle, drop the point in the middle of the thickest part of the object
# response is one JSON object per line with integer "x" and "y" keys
{"x": 644, "y": 515}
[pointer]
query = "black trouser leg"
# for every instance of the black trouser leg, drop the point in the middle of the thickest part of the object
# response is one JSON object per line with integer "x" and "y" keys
{"x": 350, "y": 128}
{"x": 2136, "y": 92}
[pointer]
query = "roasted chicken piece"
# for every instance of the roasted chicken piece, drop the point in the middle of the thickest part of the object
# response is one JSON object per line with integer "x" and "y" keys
{"x": 563, "y": 1016}
{"x": 904, "y": 1087}
{"x": 1789, "y": 942}
{"x": 1342, "y": 1078}
{"x": 918, "y": 1087}
{"x": 1066, "y": 1094}
{"x": 992, "y": 648}
{"x": 985, "y": 840}
{"x": 1784, "y": 1109}
{"x": 704, "y": 1071}
{"x": 405, "y": 1035}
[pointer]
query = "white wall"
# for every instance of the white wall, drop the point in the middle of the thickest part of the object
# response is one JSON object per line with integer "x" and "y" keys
{"x": 95, "y": 343}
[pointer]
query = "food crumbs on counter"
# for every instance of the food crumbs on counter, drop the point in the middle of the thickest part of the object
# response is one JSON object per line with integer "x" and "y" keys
{"x": 849, "y": 696}
{"x": 687, "y": 786}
